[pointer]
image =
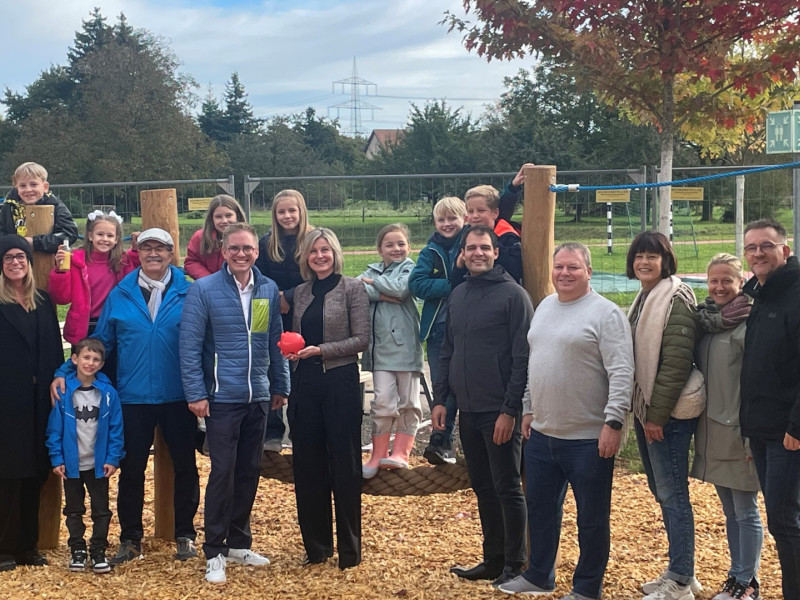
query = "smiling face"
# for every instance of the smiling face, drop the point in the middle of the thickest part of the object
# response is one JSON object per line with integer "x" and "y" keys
{"x": 222, "y": 217}
{"x": 155, "y": 258}
{"x": 31, "y": 189}
{"x": 724, "y": 283}
{"x": 765, "y": 260}
{"x": 15, "y": 266}
{"x": 240, "y": 250}
{"x": 479, "y": 254}
{"x": 287, "y": 214}
{"x": 87, "y": 363}
{"x": 394, "y": 247}
{"x": 647, "y": 267}
{"x": 479, "y": 213}
{"x": 103, "y": 236}
{"x": 571, "y": 276}
{"x": 449, "y": 224}
{"x": 320, "y": 259}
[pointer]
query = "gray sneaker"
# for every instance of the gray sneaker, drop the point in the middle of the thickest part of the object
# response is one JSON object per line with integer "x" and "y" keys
{"x": 186, "y": 549}
{"x": 520, "y": 585}
{"x": 652, "y": 586}
{"x": 128, "y": 550}
{"x": 573, "y": 595}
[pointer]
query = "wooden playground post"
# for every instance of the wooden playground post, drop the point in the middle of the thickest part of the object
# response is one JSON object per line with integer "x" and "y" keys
{"x": 160, "y": 209}
{"x": 39, "y": 221}
{"x": 538, "y": 231}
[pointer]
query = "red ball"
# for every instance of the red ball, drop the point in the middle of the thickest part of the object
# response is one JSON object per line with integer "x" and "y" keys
{"x": 291, "y": 343}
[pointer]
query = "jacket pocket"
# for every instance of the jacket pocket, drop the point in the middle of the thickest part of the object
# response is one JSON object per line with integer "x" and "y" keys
{"x": 260, "y": 315}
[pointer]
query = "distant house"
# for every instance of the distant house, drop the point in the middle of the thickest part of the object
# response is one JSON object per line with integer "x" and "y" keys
{"x": 380, "y": 140}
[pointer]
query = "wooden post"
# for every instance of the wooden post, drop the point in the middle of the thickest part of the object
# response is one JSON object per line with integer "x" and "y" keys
{"x": 538, "y": 231}
{"x": 160, "y": 209}
{"x": 38, "y": 221}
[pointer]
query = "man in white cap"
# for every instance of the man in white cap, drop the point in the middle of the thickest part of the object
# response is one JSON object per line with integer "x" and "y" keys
{"x": 141, "y": 319}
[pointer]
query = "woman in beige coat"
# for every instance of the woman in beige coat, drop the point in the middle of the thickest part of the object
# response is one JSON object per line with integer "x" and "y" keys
{"x": 721, "y": 455}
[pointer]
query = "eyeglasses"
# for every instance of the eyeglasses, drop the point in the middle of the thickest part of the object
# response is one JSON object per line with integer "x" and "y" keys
{"x": 765, "y": 248}
{"x": 153, "y": 249}
{"x": 248, "y": 250}
{"x": 10, "y": 258}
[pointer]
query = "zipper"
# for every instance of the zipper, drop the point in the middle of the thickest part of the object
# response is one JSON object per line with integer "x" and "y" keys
{"x": 216, "y": 379}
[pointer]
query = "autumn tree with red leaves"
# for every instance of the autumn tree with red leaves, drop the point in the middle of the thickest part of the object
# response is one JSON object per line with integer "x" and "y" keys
{"x": 642, "y": 56}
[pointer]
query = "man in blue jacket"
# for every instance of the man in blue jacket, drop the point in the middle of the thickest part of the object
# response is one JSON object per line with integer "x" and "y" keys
{"x": 141, "y": 319}
{"x": 233, "y": 372}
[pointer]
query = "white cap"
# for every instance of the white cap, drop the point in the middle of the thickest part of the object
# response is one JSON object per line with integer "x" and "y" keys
{"x": 155, "y": 234}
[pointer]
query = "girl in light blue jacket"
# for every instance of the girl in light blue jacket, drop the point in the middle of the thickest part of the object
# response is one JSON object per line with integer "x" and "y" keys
{"x": 395, "y": 353}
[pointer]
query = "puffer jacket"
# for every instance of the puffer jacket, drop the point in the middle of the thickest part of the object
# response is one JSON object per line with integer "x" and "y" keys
{"x": 62, "y": 431}
{"x": 484, "y": 356}
{"x": 148, "y": 367}
{"x": 225, "y": 358}
{"x": 345, "y": 320}
{"x": 64, "y": 227}
{"x": 394, "y": 344}
{"x": 73, "y": 287}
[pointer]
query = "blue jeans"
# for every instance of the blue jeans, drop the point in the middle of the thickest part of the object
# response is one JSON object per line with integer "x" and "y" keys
{"x": 779, "y": 474}
{"x": 745, "y": 533}
{"x": 666, "y": 464}
{"x": 495, "y": 478}
{"x": 550, "y": 464}
{"x": 434, "y": 345}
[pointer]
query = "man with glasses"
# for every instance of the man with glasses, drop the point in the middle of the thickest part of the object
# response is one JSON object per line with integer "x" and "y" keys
{"x": 770, "y": 383}
{"x": 233, "y": 372}
{"x": 141, "y": 320}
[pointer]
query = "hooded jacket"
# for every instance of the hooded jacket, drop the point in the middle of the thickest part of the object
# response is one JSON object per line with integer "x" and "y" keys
{"x": 62, "y": 430}
{"x": 64, "y": 227}
{"x": 770, "y": 377}
{"x": 484, "y": 356}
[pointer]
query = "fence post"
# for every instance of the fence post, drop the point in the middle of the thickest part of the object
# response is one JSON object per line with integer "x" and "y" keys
{"x": 538, "y": 231}
{"x": 739, "y": 215}
{"x": 160, "y": 209}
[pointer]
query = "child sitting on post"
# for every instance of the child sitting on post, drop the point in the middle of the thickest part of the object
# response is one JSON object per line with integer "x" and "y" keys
{"x": 85, "y": 440}
{"x": 31, "y": 187}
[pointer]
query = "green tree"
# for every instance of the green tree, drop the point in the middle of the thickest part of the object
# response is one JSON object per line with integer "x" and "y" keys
{"x": 238, "y": 112}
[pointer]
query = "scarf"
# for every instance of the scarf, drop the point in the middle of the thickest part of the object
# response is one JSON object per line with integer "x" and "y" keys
{"x": 654, "y": 309}
{"x": 156, "y": 289}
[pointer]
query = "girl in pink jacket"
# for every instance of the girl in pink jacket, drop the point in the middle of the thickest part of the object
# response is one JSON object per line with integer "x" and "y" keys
{"x": 204, "y": 254}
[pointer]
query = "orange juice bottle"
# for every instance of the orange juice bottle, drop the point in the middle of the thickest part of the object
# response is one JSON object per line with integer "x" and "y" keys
{"x": 67, "y": 261}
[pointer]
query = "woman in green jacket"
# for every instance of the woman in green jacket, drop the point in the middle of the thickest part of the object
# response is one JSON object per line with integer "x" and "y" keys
{"x": 663, "y": 327}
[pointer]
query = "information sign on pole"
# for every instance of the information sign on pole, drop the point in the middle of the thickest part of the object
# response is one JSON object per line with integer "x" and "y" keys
{"x": 692, "y": 194}
{"x": 612, "y": 196}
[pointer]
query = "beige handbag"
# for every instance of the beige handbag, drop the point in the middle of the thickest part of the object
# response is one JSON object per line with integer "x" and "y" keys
{"x": 692, "y": 400}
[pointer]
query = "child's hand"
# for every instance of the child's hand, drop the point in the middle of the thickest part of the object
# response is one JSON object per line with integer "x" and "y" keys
{"x": 519, "y": 178}
{"x": 134, "y": 241}
{"x": 59, "y": 470}
{"x": 59, "y": 257}
{"x": 109, "y": 470}
{"x": 368, "y": 280}
{"x": 384, "y": 298}
{"x": 460, "y": 260}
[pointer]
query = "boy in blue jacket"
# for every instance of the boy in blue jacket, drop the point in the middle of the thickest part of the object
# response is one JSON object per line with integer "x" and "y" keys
{"x": 85, "y": 440}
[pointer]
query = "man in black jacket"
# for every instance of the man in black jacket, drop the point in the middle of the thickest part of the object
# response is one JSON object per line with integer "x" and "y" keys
{"x": 484, "y": 363}
{"x": 770, "y": 383}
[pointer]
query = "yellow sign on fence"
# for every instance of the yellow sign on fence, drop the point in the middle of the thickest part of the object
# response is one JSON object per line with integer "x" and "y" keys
{"x": 612, "y": 196}
{"x": 199, "y": 203}
{"x": 692, "y": 194}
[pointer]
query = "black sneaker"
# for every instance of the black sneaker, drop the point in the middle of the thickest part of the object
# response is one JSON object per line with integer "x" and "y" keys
{"x": 743, "y": 592}
{"x": 77, "y": 562}
{"x": 439, "y": 455}
{"x": 99, "y": 563}
{"x": 128, "y": 550}
{"x": 186, "y": 549}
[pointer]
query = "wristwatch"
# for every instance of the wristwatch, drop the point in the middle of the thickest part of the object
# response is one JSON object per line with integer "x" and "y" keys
{"x": 614, "y": 424}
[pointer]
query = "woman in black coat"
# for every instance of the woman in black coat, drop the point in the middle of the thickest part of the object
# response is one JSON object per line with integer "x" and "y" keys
{"x": 30, "y": 351}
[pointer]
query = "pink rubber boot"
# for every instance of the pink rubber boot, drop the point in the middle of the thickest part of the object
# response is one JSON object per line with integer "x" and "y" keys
{"x": 403, "y": 443}
{"x": 380, "y": 450}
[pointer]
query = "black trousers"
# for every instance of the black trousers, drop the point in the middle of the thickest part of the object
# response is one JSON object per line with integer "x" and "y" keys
{"x": 19, "y": 516}
{"x": 74, "y": 508}
{"x": 495, "y": 477}
{"x": 179, "y": 427}
{"x": 235, "y": 433}
{"x": 325, "y": 420}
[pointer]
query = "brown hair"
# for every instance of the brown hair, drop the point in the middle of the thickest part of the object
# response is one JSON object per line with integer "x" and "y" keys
{"x": 91, "y": 344}
{"x": 212, "y": 242}
{"x": 386, "y": 229}
{"x": 116, "y": 256}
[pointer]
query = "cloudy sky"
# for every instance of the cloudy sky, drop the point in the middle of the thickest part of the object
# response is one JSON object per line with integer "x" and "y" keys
{"x": 288, "y": 53}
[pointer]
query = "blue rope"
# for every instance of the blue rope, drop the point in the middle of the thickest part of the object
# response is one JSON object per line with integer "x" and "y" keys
{"x": 638, "y": 186}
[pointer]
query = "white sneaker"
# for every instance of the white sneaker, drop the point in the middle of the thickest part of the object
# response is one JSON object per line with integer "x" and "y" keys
{"x": 215, "y": 569}
{"x": 243, "y": 556}
{"x": 671, "y": 590}
{"x": 652, "y": 586}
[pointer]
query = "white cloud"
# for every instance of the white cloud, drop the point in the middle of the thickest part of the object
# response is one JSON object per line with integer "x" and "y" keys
{"x": 286, "y": 56}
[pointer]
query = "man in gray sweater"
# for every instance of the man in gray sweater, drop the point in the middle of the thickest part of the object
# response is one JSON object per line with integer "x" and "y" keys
{"x": 580, "y": 375}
